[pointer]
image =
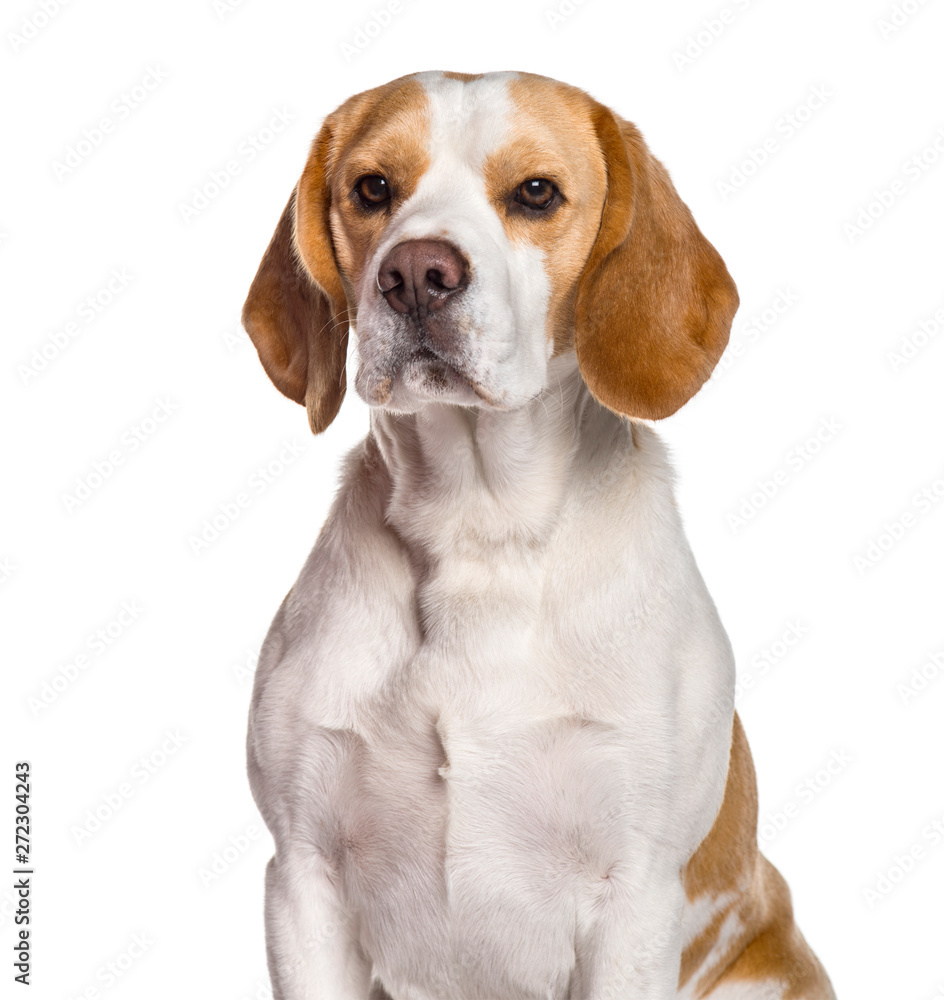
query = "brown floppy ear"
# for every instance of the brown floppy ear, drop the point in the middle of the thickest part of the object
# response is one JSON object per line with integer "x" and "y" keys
{"x": 655, "y": 302}
{"x": 296, "y": 312}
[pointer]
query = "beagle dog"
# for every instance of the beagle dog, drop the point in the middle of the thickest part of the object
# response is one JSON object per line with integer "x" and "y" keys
{"x": 492, "y": 730}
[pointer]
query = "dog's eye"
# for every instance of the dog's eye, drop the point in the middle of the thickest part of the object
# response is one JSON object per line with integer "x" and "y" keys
{"x": 373, "y": 190}
{"x": 538, "y": 192}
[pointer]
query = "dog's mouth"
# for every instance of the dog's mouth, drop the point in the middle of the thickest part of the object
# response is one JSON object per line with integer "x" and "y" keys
{"x": 422, "y": 376}
{"x": 424, "y": 353}
{"x": 431, "y": 374}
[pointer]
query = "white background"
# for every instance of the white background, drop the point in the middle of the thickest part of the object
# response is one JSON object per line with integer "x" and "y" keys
{"x": 168, "y": 341}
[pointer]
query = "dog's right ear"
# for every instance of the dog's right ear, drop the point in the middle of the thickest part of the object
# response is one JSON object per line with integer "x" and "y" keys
{"x": 296, "y": 312}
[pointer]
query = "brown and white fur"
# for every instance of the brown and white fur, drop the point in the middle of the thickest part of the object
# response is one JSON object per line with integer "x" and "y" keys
{"x": 492, "y": 731}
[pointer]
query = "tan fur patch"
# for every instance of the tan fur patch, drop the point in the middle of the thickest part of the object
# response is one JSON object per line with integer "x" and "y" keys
{"x": 383, "y": 131}
{"x": 552, "y": 137}
{"x": 728, "y": 852}
{"x": 768, "y": 944}
{"x": 655, "y": 303}
{"x": 300, "y": 327}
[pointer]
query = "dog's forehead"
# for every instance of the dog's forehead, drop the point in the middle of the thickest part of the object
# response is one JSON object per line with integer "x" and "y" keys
{"x": 469, "y": 119}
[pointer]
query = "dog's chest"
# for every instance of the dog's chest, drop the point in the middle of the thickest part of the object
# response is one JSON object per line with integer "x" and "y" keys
{"x": 485, "y": 739}
{"x": 487, "y": 795}
{"x": 475, "y": 839}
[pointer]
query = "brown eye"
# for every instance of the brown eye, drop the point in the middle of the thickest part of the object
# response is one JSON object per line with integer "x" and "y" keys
{"x": 538, "y": 192}
{"x": 373, "y": 190}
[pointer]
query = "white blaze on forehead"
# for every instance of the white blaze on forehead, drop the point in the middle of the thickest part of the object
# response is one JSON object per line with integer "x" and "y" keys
{"x": 468, "y": 120}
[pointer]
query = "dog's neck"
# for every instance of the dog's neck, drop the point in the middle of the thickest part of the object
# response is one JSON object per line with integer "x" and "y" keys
{"x": 467, "y": 480}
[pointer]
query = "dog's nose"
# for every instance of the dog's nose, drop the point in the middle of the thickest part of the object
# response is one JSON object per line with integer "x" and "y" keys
{"x": 419, "y": 276}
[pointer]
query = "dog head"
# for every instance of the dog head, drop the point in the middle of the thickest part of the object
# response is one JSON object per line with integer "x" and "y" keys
{"x": 468, "y": 228}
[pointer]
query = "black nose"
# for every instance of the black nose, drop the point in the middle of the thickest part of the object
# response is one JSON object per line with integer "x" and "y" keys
{"x": 419, "y": 276}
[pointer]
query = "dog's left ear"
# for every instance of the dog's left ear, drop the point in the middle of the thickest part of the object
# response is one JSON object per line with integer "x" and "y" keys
{"x": 655, "y": 302}
{"x": 296, "y": 313}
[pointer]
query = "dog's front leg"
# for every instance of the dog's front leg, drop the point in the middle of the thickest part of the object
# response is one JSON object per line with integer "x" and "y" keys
{"x": 631, "y": 949}
{"x": 310, "y": 942}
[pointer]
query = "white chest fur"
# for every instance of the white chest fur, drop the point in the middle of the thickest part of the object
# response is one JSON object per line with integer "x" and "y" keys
{"x": 485, "y": 722}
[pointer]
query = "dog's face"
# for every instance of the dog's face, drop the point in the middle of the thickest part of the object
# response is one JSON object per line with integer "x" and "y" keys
{"x": 467, "y": 229}
{"x": 462, "y": 214}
